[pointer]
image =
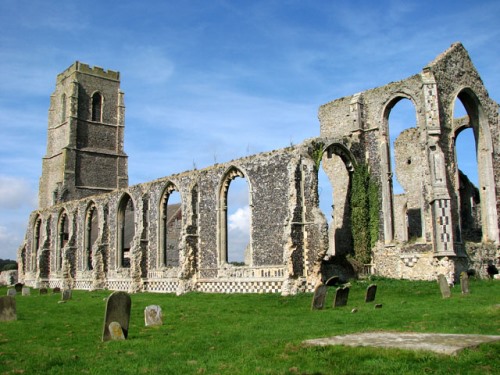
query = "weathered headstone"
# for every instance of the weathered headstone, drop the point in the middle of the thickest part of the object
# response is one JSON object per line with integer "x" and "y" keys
{"x": 11, "y": 292}
{"x": 153, "y": 316}
{"x": 56, "y": 290}
{"x": 333, "y": 281}
{"x": 7, "y": 308}
{"x": 116, "y": 331}
{"x": 341, "y": 296}
{"x": 26, "y": 291}
{"x": 444, "y": 286}
{"x": 43, "y": 290}
{"x": 19, "y": 287}
{"x": 319, "y": 297}
{"x": 117, "y": 310}
{"x": 66, "y": 295}
{"x": 464, "y": 282}
{"x": 371, "y": 291}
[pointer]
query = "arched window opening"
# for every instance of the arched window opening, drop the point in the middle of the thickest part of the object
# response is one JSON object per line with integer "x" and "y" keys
{"x": 37, "y": 232}
{"x": 63, "y": 108}
{"x": 126, "y": 230}
{"x": 467, "y": 180}
{"x": 97, "y": 107}
{"x": 405, "y": 170}
{"x": 63, "y": 236}
{"x": 333, "y": 192}
{"x": 171, "y": 226}
{"x": 235, "y": 220}
{"x": 91, "y": 234}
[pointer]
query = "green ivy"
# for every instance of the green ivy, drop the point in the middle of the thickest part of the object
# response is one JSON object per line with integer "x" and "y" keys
{"x": 365, "y": 207}
{"x": 317, "y": 153}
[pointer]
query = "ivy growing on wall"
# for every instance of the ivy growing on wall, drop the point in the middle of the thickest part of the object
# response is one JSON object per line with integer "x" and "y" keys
{"x": 365, "y": 207}
{"x": 316, "y": 153}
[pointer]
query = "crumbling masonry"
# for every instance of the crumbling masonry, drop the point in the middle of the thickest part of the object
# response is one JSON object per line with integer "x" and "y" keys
{"x": 93, "y": 231}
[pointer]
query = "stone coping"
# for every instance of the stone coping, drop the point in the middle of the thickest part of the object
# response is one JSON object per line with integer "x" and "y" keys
{"x": 449, "y": 344}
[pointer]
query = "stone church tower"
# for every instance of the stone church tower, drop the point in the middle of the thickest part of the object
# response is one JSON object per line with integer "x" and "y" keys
{"x": 85, "y": 153}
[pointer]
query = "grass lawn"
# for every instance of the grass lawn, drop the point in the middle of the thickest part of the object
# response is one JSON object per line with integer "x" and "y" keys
{"x": 250, "y": 333}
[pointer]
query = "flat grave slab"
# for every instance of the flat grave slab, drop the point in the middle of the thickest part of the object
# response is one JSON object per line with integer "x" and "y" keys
{"x": 449, "y": 344}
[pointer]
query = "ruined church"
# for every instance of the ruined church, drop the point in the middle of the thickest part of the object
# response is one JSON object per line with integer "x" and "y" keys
{"x": 93, "y": 231}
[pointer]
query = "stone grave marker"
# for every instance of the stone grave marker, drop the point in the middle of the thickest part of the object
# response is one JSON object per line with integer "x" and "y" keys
{"x": 26, "y": 291}
{"x": 118, "y": 307}
{"x": 153, "y": 316}
{"x": 319, "y": 297}
{"x": 19, "y": 287}
{"x": 333, "y": 281}
{"x": 56, "y": 290}
{"x": 7, "y": 308}
{"x": 341, "y": 296}
{"x": 66, "y": 295}
{"x": 116, "y": 331}
{"x": 371, "y": 291}
{"x": 11, "y": 292}
{"x": 43, "y": 290}
{"x": 444, "y": 286}
{"x": 464, "y": 282}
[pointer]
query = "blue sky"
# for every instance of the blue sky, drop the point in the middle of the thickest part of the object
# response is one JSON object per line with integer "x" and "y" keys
{"x": 211, "y": 81}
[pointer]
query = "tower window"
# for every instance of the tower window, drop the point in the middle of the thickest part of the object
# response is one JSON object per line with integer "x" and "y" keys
{"x": 97, "y": 107}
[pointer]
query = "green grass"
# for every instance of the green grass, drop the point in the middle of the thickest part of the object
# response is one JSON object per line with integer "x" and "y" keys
{"x": 249, "y": 334}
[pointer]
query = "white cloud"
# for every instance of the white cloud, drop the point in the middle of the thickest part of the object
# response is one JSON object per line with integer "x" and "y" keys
{"x": 16, "y": 193}
{"x": 9, "y": 242}
{"x": 240, "y": 220}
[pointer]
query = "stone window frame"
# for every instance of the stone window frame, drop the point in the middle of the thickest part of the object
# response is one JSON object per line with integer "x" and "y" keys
{"x": 90, "y": 213}
{"x": 62, "y": 237}
{"x": 121, "y": 221}
{"x": 96, "y": 106}
{"x": 222, "y": 232}
{"x": 170, "y": 188}
{"x": 63, "y": 107}
{"x": 37, "y": 240}
{"x": 479, "y": 123}
{"x": 385, "y": 147}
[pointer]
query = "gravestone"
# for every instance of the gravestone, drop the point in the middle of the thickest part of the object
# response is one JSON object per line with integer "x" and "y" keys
{"x": 319, "y": 297}
{"x": 11, "y": 292}
{"x": 117, "y": 310}
{"x": 19, "y": 287}
{"x": 26, "y": 291}
{"x": 43, "y": 290}
{"x": 56, "y": 290}
{"x": 66, "y": 295}
{"x": 371, "y": 291}
{"x": 341, "y": 296}
{"x": 7, "y": 308}
{"x": 333, "y": 281}
{"x": 116, "y": 331}
{"x": 444, "y": 286}
{"x": 464, "y": 282}
{"x": 153, "y": 316}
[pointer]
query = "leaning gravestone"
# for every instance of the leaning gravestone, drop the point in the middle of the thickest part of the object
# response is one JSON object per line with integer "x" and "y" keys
{"x": 43, "y": 290}
{"x": 333, "y": 281}
{"x": 117, "y": 310}
{"x": 19, "y": 287}
{"x": 153, "y": 316}
{"x": 66, "y": 295}
{"x": 444, "y": 286}
{"x": 116, "y": 331}
{"x": 26, "y": 291}
{"x": 319, "y": 297}
{"x": 7, "y": 308}
{"x": 371, "y": 291}
{"x": 341, "y": 296}
{"x": 11, "y": 292}
{"x": 464, "y": 282}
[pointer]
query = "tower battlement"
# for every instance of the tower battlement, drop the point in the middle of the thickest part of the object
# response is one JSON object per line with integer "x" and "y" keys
{"x": 97, "y": 71}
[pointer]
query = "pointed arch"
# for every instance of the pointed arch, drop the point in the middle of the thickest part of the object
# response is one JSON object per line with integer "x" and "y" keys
{"x": 170, "y": 226}
{"x": 91, "y": 234}
{"x": 62, "y": 237}
{"x": 222, "y": 219}
{"x": 125, "y": 229}
{"x": 37, "y": 241}
{"x": 478, "y": 121}
{"x": 97, "y": 106}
